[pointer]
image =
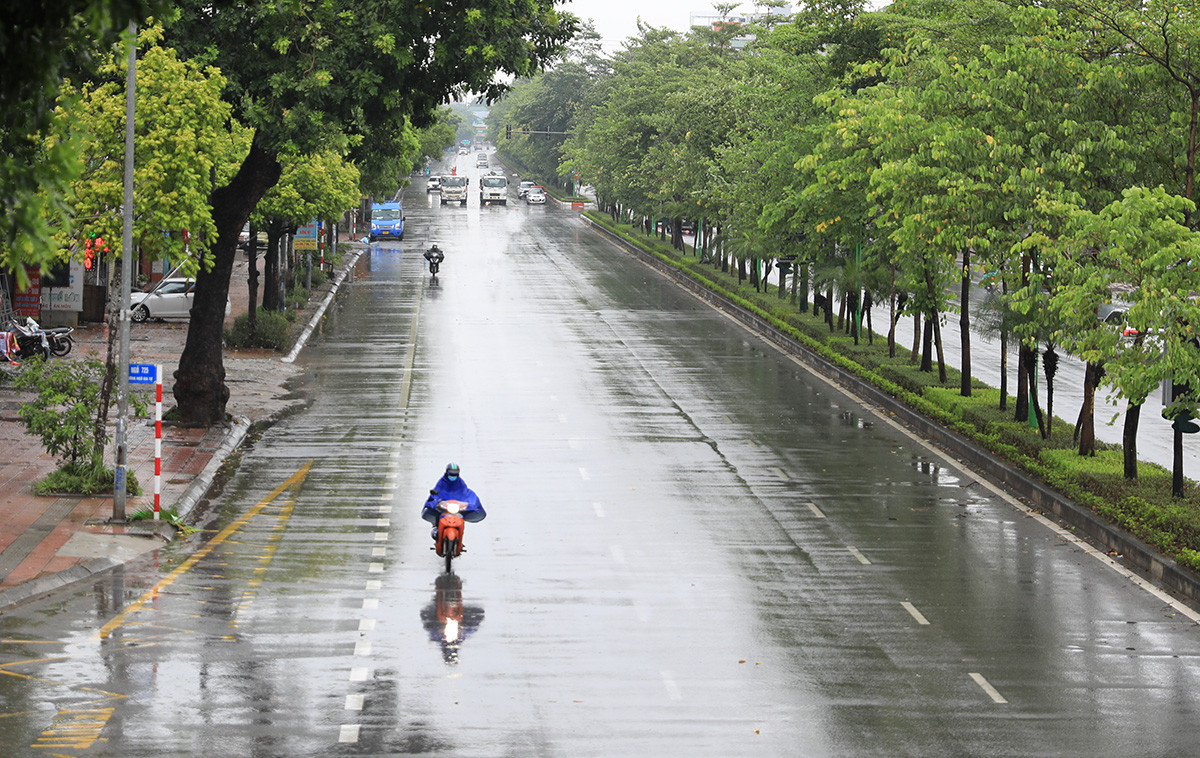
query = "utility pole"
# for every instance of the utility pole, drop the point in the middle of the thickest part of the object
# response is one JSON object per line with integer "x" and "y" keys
{"x": 122, "y": 453}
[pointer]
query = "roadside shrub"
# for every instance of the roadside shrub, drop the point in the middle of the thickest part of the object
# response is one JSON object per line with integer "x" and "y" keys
{"x": 272, "y": 331}
{"x": 85, "y": 479}
{"x": 64, "y": 414}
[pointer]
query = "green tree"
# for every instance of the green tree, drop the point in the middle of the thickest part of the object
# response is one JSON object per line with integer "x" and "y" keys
{"x": 348, "y": 74}
{"x": 40, "y": 44}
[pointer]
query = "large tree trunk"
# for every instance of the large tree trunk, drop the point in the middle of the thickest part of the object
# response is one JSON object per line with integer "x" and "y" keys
{"x": 1133, "y": 413}
{"x": 200, "y": 391}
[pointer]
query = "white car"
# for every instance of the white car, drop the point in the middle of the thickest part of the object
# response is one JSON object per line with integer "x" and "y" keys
{"x": 166, "y": 298}
{"x": 535, "y": 196}
{"x": 434, "y": 184}
{"x": 523, "y": 189}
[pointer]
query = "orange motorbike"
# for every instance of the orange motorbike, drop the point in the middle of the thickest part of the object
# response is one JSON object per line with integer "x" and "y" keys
{"x": 450, "y": 528}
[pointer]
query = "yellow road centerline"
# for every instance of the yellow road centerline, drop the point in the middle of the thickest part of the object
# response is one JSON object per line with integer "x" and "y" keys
{"x": 199, "y": 555}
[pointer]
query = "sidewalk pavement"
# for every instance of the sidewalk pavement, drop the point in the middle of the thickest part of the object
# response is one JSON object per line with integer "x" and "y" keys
{"x": 49, "y": 542}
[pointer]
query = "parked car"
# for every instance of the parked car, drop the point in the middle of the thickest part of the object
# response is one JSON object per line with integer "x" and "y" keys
{"x": 244, "y": 238}
{"x": 535, "y": 196}
{"x": 523, "y": 188}
{"x": 166, "y": 298}
{"x": 434, "y": 184}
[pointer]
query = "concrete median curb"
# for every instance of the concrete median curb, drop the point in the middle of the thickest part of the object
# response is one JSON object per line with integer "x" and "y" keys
{"x": 1135, "y": 555}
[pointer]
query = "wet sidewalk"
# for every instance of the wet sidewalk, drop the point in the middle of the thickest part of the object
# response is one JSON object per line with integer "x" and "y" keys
{"x": 50, "y": 541}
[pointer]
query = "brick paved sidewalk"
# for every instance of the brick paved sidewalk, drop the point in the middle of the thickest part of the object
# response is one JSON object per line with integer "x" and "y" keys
{"x": 47, "y": 542}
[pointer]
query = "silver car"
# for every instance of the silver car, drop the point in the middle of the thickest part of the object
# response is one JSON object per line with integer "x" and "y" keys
{"x": 166, "y": 298}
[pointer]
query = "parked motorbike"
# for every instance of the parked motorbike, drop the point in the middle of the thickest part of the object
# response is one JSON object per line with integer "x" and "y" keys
{"x": 450, "y": 528}
{"x": 435, "y": 258}
{"x": 32, "y": 339}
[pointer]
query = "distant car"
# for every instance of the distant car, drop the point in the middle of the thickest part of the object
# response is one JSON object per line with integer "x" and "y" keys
{"x": 434, "y": 184}
{"x": 166, "y": 298}
{"x": 463, "y": 151}
{"x": 1114, "y": 313}
{"x": 523, "y": 188}
{"x": 535, "y": 196}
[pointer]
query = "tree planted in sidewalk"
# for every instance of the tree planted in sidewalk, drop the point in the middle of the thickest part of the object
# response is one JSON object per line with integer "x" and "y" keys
{"x": 348, "y": 74}
{"x": 63, "y": 414}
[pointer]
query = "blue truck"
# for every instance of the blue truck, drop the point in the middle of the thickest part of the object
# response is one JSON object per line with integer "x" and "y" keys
{"x": 387, "y": 221}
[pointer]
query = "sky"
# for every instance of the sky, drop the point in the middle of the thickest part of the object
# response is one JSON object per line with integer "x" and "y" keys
{"x": 616, "y": 20}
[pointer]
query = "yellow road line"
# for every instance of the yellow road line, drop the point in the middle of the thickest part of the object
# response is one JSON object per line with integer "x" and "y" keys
{"x": 212, "y": 544}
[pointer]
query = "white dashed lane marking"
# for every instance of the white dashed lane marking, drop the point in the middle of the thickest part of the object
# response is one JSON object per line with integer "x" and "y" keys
{"x": 914, "y": 612}
{"x": 816, "y": 511}
{"x": 861, "y": 558}
{"x": 986, "y": 686}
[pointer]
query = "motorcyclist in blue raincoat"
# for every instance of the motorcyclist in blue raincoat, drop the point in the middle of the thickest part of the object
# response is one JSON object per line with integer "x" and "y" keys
{"x": 452, "y": 487}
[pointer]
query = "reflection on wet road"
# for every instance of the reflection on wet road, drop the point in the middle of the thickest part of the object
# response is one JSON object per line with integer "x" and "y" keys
{"x": 693, "y": 547}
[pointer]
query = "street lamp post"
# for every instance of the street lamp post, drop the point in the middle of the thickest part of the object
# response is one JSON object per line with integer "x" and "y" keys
{"x": 120, "y": 468}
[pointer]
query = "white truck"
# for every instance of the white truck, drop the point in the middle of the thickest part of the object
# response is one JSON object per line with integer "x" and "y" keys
{"x": 454, "y": 189}
{"x": 493, "y": 189}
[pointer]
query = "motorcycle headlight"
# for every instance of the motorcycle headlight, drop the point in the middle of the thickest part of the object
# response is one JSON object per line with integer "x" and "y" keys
{"x": 453, "y": 506}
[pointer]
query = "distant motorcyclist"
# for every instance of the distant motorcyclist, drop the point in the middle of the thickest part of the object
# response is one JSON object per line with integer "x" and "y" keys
{"x": 452, "y": 487}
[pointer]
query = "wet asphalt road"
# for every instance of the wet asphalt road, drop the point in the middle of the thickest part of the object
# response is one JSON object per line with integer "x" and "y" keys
{"x": 693, "y": 547}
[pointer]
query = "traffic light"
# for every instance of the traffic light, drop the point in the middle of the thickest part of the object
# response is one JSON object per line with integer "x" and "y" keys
{"x": 508, "y": 132}
{"x": 93, "y": 245}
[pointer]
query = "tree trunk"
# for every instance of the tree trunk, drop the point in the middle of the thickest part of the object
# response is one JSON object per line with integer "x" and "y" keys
{"x": 200, "y": 391}
{"x": 252, "y": 314}
{"x": 915, "y": 354}
{"x": 892, "y": 317}
{"x": 1021, "y": 406}
{"x": 940, "y": 345}
{"x": 1050, "y": 366}
{"x": 112, "y": 308}
{"x": 1087, "y": 423}
{"x": 1177, "y": 489}
{"x": 1133, "y": 412}
{"x": 270, "y": 298}
{"x": 829, "y": 306}
{"x": 964, "y": 324}
{"x": 927, "y": 345}
{"x": 1031, "y": 367}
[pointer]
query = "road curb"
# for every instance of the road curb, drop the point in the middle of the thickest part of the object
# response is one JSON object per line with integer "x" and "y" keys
{"x": 43, "y": 585}
{"x": 302, "y": 340}
{"x": 1134, "y": 554}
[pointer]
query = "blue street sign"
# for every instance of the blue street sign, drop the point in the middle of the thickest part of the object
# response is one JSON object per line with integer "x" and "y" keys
{"x": 142, "y": 373}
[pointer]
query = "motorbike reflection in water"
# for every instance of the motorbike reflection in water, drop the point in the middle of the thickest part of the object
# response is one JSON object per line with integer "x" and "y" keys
{"x": 447, "y": 619}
